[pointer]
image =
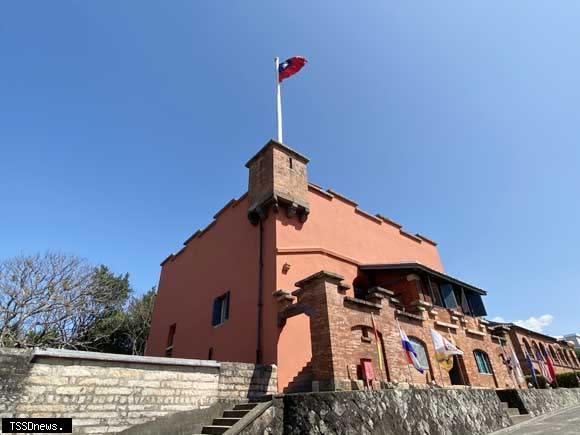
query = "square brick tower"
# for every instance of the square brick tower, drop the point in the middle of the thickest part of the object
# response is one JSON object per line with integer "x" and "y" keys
{"x": 277, "y": 178}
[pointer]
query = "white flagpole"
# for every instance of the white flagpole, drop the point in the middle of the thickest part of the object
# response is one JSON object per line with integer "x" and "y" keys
{"x": 278, "y": 102}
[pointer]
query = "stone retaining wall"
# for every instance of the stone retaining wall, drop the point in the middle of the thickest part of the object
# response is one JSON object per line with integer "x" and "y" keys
{"x": 413, "y": 411}
{"x": 537, "y": 402}
{"x": 106, "y": 393}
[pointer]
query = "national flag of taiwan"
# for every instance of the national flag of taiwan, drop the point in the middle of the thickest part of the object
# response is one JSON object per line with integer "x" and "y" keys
{"x": 290, "y": 67}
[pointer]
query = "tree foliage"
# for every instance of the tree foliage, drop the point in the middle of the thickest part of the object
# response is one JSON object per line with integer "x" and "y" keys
{"x": 58, "y": 300}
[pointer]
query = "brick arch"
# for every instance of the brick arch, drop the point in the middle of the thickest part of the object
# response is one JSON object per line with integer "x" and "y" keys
{"x": 572, "y": 358}
{"x": 575, "y": 358}
{"x": 543, "y": 350}
{"x": 527, "y": 346}
{"x": 553, "y": 354}
{"x": 562, "y": 356}
{"x": 567, "y": 357}
{"x": 294, "y": 347}
{"x": 535, "y": 349}
{"x": 416, "y": 340}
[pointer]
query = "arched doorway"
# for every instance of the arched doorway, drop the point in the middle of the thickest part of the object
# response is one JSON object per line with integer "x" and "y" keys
{"x": 458, "y": 374}
{"x": 295, "y": 355}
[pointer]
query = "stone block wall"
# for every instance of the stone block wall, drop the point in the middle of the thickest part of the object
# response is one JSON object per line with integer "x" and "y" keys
{"x": 106, "y": 393}
{"x": 246, "y": 381}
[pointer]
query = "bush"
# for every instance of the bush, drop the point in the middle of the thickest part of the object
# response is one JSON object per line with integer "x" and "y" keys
{"x": 541, "y": 381}
{"x": 568, "y": 380}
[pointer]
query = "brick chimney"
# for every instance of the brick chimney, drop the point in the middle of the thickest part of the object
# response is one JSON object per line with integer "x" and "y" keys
{"x": 277, "y": 179}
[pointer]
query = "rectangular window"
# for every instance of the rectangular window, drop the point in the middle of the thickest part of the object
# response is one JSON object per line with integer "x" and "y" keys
{"x": 457, "y": 294}
{"x": 475, "y": 303}
{"x": 434, "y": 287}
{"x": 482, "y": 361}
{"x": 464, "y": 304}
{"x": 221, "y": 309}
{"x": 448, "y": 296}
{"x": 170, "y": 336}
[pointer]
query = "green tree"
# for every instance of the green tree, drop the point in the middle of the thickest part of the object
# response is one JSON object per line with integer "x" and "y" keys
{"x": 58, "y": 300}
{"x": 111, "y": 295}
{"x": 138, "y": 322}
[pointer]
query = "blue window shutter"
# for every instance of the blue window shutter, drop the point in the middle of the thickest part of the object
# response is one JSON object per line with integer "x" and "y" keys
{"x": 448, "y": 296}
{"x": 464, "y": 303}
{"x": 475, "y": 304}
{"x": 227, "y": 302}
{"x": 216, "y": 312}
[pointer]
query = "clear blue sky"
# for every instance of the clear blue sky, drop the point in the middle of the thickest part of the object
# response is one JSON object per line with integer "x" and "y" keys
{"x": 124, "y": 126}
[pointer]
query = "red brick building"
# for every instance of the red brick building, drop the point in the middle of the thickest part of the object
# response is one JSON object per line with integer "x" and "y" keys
{"x": 536, "y": 344}
{"x": 290, "y": 274}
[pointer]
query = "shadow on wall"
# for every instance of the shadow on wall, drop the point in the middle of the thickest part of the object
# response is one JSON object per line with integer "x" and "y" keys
{"x": 260, "y": 381}
{"x": 15, "y": 367}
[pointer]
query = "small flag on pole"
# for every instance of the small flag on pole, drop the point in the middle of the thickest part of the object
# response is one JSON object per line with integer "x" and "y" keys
{"x": 290, "y": 67}
{"x": 551, "y": 369}
{"x": 516, "y": 365}
{"x": 377, "y": 341}
{"x": 532, "y": 370}
{"x": 410, "y": 352}
{"x": 444, "y": 350}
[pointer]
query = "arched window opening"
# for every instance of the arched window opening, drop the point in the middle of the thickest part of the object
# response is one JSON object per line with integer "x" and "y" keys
{"x": 527, "y": 346}
{"x": 543, "y": 350}
{"x": 574, "y": 358}
{"x": 566, "y": 358}
{"x": 421, "y": 350}
{"x": 553, "y": 354}
{"x": 562, "y": 357}
{"x": 482, "y": 361}
{"x": 536, "y": 350}
{"x": 571, "y": 358}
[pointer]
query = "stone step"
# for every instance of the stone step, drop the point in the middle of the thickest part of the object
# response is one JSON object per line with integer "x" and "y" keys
{"x": 520, "y": 418}
{"x": 245, "y": 406}
{"x": 235, "y": 414}
{"x": 224, "y": 421}
{"x": 214, "y": 430}
{"x": 513, "y": 411}
{"x": 505, "y": 405}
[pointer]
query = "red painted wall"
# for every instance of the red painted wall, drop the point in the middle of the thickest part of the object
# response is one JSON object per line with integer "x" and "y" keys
{"x": 224, "y": 258}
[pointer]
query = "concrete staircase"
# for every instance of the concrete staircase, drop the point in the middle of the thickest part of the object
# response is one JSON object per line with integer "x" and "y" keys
{"x": 229, "y": 418}
{"x": 302, "y": 382}
{"x": 514, "y": 413}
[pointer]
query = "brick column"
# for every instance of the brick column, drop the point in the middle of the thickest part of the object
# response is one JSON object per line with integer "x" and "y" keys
{"x": 317, "y": 292}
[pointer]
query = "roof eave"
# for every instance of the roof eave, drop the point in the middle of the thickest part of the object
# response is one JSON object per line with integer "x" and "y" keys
{"x": 422, "y": 268}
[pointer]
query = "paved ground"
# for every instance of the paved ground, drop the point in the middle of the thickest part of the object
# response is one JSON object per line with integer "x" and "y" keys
{"x": 561, "y": 423}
